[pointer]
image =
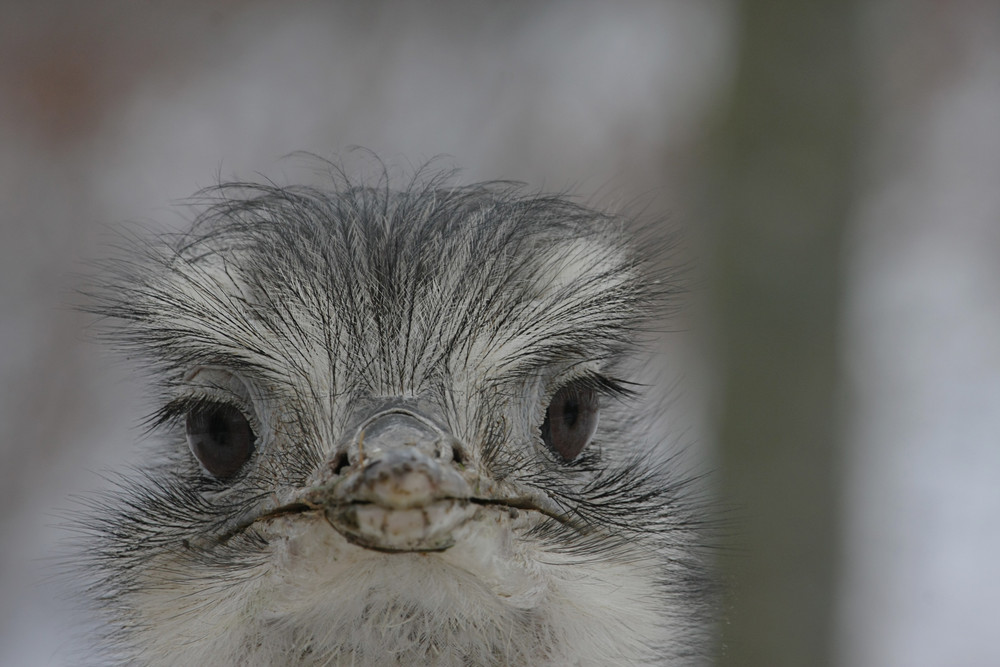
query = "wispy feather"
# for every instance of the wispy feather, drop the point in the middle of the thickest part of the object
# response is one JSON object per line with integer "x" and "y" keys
{"x": 302, "y": 308}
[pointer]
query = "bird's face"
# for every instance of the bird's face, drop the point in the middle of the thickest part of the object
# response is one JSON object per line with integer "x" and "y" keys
{"x": 398, "y": 429}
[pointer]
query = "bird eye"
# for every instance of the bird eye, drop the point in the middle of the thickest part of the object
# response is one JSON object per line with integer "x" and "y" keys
{"x": 570, "y": 420}
{"x": 220, "y": 437}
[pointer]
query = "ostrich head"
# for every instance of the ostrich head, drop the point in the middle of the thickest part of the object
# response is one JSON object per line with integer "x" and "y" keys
{"x": 395, "y": 427}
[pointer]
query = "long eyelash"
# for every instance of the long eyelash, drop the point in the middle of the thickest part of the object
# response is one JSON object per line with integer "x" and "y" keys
{"x": 176, "y": 410}
{"x": 604, "y": 385}
{"x": 609, "y": 386}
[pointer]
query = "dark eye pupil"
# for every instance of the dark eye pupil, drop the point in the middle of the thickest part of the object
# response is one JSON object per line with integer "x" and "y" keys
{"x": 570, "y": 420}
{"x": 220, "y": 437}
{"x": 570, "y": 413}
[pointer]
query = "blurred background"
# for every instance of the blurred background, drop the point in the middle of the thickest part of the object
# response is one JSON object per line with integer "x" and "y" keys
{"x": 113, "y": 112}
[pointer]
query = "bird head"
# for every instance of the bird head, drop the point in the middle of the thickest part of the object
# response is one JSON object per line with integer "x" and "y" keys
{"x": 395, "y": 427}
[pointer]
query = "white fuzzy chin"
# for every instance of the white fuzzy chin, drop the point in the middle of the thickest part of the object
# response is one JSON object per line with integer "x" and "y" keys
{"x": 490, "y": 599}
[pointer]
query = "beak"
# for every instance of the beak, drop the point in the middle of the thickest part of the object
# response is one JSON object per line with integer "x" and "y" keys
{"x": 398, "y": 483}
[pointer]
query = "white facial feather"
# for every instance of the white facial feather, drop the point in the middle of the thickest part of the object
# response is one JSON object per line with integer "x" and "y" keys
{"x": 489, "y": 600}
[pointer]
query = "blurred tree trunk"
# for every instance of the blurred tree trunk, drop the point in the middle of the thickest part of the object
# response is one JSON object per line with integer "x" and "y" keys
{"x": 779, "y": 193}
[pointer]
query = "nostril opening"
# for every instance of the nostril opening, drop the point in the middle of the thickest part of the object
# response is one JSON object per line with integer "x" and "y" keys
{"x": 339, "y": 463}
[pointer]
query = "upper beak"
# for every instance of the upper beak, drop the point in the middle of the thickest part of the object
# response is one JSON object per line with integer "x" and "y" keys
{"x": 398, "y": 483}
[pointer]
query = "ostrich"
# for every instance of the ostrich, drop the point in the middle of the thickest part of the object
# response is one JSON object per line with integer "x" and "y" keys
{"x": 396, "y": 427}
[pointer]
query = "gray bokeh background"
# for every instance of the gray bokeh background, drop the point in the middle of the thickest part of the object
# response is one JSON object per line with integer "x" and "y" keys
{"x": 112, "y": 112}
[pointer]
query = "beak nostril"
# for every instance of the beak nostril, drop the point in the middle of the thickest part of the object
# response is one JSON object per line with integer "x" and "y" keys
{"x": 457, "y": 455}
{"x": 339, "y": 463}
